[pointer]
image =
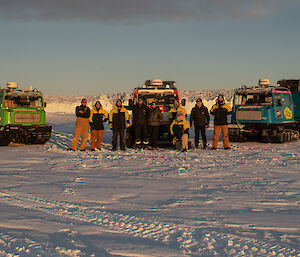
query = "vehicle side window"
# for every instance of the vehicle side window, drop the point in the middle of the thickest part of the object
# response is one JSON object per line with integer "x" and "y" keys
{"x": 8, "y": 102}
{"x": 239, "y": 99}
{"x": 287, "y": 99}
{"x": 278, "y": 100}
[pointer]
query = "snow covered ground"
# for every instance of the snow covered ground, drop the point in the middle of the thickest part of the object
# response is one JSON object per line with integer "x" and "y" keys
{"x": 241, "y": 202}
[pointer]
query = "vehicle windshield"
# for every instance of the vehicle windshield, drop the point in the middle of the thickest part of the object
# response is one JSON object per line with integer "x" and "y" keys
{"x": 254, "y": 99}
{"x": 159, "y": 99}
{"x": 23, "y": 101}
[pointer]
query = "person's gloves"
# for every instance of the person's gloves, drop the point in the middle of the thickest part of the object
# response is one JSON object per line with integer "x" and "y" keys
{"x": 128, "y": 124}
{"x": 174, "y": 140}
{"x": 110, "y": 125}
{"x": 206, "y": 126}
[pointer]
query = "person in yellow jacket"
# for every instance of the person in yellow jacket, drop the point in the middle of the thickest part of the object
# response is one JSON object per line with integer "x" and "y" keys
{"x": 97, "y": 117}
{"x": 220, "y": 110}
{"x": 176, "y": 108}
{"x": 118, "y": 122}
{"x": 179, "y": 130}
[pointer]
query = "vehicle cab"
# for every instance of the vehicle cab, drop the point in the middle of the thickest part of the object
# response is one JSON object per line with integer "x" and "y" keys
{"x": 164, "y": 93}
{"x": 262, "y": 105}
{"x": 22, "y": 116}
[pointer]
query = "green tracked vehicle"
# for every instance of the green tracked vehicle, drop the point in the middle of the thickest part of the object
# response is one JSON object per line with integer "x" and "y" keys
{"x": 22, "y": 116}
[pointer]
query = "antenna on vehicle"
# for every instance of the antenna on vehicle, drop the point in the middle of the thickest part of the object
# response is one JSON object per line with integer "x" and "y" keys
{"x": 264, "y": 82}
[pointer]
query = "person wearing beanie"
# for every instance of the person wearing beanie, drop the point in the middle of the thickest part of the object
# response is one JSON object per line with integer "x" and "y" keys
{"x": 97, "y": 117}
{"x": 118, "y": 122}
{"x": 220, "y": 110}
{"x": 81, "y": 126}
{"x": 199, "y": 119}
{"x": 176, "y": 108}
{"x": 179, "y": 130}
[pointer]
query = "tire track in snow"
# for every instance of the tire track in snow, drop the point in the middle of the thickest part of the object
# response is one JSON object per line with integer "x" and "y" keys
{"x": 174, "y": 235}
{"x": 131, "y": 225}
{"x": 12, "y": 246}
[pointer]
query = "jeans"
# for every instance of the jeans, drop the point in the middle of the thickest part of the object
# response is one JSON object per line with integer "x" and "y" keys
{"x": 203, "y": 136}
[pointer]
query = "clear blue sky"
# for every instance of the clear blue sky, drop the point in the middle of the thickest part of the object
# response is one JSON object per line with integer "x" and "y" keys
{"x": 92, "y": 48}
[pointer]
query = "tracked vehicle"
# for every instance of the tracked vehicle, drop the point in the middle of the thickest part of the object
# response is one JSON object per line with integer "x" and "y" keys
{"x": 264, "y": 113}
{"x": 164, "y": 94}
{"x": 22, "y": 116}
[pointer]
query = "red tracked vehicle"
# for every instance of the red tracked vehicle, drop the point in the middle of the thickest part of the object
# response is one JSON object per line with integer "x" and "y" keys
{"x": 164, "y": 94}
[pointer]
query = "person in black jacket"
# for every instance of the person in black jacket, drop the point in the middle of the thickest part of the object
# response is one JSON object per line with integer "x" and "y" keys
{"x": 97, "y": 117}
{"x": 81, "y": 126}
{"x": 140, "y": 113}
{"x": 118, "y": 122}
{"x": 199, "y": 118}
{"x": 220, "y": 110}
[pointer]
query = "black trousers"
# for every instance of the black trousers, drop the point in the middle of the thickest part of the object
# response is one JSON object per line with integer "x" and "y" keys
{"x": 116, "y": 133}
{"x": 153, "y": 132}
{"x": 203, "y": 135}
{"x": 141, "y": 132}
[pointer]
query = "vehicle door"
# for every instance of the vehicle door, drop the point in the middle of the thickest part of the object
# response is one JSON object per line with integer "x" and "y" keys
{"x": 279, "y": 107}
{"x": 288, "y": 108}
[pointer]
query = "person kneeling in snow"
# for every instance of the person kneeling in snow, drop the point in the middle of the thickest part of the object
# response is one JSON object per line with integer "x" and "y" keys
{"x": 175, "y": 109}
{"x": 97, "y": 117}
{"x": 180, "y": 131}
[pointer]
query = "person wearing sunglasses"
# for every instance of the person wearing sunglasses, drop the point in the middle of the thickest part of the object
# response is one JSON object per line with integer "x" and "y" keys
{"x": 81, "y": 126}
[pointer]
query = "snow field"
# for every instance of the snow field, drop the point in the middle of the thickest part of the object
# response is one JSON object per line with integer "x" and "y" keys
{"x": 242, "y": 202}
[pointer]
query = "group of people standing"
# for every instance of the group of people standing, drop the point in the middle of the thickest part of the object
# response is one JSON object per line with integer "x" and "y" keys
{"x": 118, "y": 121}
{"x": 146, "y": 123}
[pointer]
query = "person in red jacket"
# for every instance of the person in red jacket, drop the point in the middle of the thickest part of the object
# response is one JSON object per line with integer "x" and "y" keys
{"x": 220, "y": 110}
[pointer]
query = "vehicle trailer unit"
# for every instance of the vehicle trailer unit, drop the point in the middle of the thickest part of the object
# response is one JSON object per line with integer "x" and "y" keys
{"x": 265, "y": 113}
{"x": 22, "y": 116}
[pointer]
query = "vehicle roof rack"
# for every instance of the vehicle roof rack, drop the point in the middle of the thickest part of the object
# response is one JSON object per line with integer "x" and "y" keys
{"x": 165, "y": 85}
